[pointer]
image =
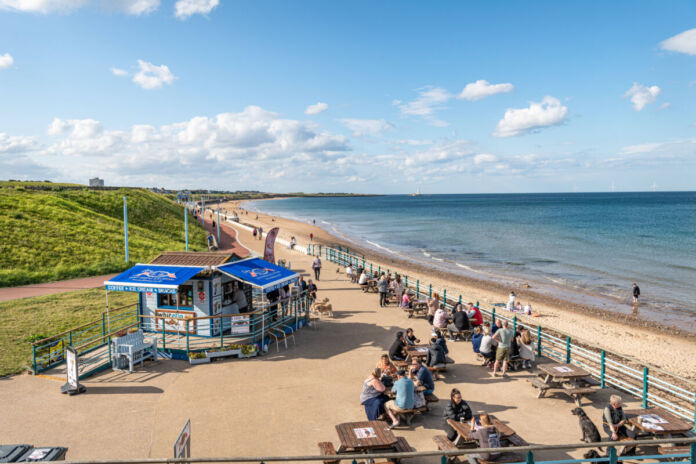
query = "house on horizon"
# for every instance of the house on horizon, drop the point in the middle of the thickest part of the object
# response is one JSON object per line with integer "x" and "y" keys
{"x": 96, "y": 182}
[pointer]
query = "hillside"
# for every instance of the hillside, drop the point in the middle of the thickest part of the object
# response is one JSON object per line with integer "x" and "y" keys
{"x": 57, "y": 234}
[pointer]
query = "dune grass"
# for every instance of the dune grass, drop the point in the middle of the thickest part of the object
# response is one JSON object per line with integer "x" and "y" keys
{"x": 27, "y": 319}
{"x": 49, "y": 235}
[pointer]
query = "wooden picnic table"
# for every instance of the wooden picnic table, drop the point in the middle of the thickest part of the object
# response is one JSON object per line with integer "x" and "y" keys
{"x": 371, "y": 286}
{"x": 667, "y": 424}
{"x": 417, "y": 351}
{"x": 566, "y": 378}
{"x": 380, "y": 436}
{"x": 508, "y": 437}
{"x": 418, "y": 307}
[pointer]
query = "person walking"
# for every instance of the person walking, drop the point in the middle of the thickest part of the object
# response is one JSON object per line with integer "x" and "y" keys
{"x": 316, "y": 265}
{"x": 255, "y": 232}
{"x": 636, "y": 293}
{"x": 260, "y": 233}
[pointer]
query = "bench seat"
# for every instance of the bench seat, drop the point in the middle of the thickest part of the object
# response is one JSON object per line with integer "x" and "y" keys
{"x": 445, "y": 444}
{"x": 402, "y": 446}
{"x": 516, "y": 440}
{"x": 507, "y": 456}
{"x": 431, "y": 398}
{"x": 326, "y": 448}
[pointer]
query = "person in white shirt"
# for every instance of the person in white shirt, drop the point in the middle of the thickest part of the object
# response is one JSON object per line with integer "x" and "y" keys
{"x": 487, "y": 346}
{"x": 239, "y": 300}
{"x": 527, "y": 309}
{"x": 363, "y": 278}
{"x": 349, "y": 272}
{"x": 511, "y": 302}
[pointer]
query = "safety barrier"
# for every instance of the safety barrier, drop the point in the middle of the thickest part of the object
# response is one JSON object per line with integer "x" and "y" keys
{"x": 530, "y": 454}
{"x": 654, "y": 386}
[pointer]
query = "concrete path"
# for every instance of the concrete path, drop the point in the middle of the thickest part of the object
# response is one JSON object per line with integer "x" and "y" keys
{"x": 49, "y": 288}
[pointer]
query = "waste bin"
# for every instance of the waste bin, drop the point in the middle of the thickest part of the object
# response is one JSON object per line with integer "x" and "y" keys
{"x": 11, "y": 453}
{"x": 55, "y": 453}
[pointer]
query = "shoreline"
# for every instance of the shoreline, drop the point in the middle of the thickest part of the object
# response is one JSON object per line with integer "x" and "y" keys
{"x": 621, "y": 333}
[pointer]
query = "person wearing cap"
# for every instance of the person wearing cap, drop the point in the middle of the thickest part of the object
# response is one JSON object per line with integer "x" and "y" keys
{"x": 404, "y": 391}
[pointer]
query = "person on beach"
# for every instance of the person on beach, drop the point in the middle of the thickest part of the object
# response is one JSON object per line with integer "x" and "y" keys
{"x": 404, "y": 391}
{"x": 636, "y": 293}
{"x": 433, "y": 305}
{"x": 261, "y": 235}
{"x": 311, "y": 237}
{"x": 460, "y": 322}
{"x": 458, "y": 410}
{"x": 316, "y": 265}
{"x": 511, "y": 301}
{"x": 527, "y": 309}
{"x": 382, "y": 288}
{"x": 372, "y": 396}
{"x": 397, "y": 351}
{"x": 518, "y": 307}
{"x": 411, "y": 338}
{"x": 255, "y": 233}
{"x": 502, "y": 355}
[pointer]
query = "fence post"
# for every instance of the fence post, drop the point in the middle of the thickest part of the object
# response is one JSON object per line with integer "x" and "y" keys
{"x": 567, "y": 350}
{"x": 460, "y": 299}
{"x": 187, "y": 336}
{"x": 406, "y": 282}
{"x": 363, "y": 266}
{"x": 602, "y": 370}
{"x": 164, "y": 340}
{"x": 221, "y": 328}
{"x": 539, "y": 341}
{"x": 370, "y": 268}
{"x": 443, "y": 459}
{"x": 493, "y": 316}
{"x": 70, "y": 338}
{"x": 417, "y": 288}
{"x": 103, "y": 325}
{"x": 645, "y": 387}
{"x": 444, "y": 298}
{"x": 612, "y": 455}
{"x": 379, "y": 270}
{"x": 430, "y": 290}
{"x": 693, "y": 450}
{"x": 514, "y": 324}
{"x": 33, "y": 350}
{"x": 530, "y": 457}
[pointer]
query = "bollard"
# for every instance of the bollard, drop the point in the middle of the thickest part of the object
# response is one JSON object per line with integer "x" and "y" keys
{"x": 514, "y": 324}
{"x": 645, "y": 387}
{"x": 567, "y": 350}
{"x": 530, "y": 457}
{"x": 539, "y": 341}
{"x": 612, "y": 455}
{"x": 430, "y": 290}
{"x": 602, "y": 370}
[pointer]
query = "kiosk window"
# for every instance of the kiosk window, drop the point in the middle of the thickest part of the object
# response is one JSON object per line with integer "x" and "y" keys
{"x": 185, "y": 296}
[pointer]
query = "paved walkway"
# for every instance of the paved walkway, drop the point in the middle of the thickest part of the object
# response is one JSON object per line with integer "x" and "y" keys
{"x": 50, "y": 288}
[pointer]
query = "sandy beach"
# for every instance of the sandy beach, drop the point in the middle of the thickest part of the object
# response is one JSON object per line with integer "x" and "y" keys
{"x": 626, "y": 335}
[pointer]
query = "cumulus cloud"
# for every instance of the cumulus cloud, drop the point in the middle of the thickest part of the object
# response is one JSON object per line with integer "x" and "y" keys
{"x": 184, "y": 9}
{"x": 363, "y": 127}
{"x": 16, "y": 143}
{"x": 444, "y": 152}
{"x": 482, "y": 158}
{"x": 150, "y": 76}
{"x": 482, "y": 89}
{"x": 684, "y": 42}
{"x": 42, "y": 6}
{"x": 642, "y": 95}
{"x": 548, "y": 112}
{"x": 6, "y": 61}
{"x": 317, "y": 108}
{"x": 136, "y": 7}
{"x": 665, "y": 105}
{"x": 430, "y": 99}
{"x": 119, "y": 72}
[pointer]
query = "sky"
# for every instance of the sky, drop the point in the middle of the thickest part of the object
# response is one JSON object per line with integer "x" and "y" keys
{"x": 352, "y": 96}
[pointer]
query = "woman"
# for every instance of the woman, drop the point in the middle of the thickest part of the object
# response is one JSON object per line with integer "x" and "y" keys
{"x": 382, "y": 286}
{"x": 405, "y": 301}
{"x": 486, "y": 434}
{"x": 433, "y": 305}
{"x": 518, "y": 307}
{"x": 476, "y": 339}
{"x": 386, "y": 366}
{"x": 486, "y": 348}
{"x": 398, "y": 288}
{"x": 411, "y": 338}
{"x": 372, "y": 396}
{"x": 527, "y": 349}
{"x": 458, "y": 410}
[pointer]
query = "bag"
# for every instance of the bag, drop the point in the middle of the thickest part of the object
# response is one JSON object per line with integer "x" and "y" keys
{"x": 387, "y": 381}
{"x": 418, "y": 400}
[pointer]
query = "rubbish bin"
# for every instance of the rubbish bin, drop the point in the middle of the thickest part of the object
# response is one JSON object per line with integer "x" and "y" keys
{"x": 11, "y": 453}
{"x": 55, "y": 453}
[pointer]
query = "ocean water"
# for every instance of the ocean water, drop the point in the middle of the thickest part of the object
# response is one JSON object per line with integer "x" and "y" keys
{"x": 584, "y": 247}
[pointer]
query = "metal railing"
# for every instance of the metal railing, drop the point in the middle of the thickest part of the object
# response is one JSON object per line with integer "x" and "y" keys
{"x": 652, "y": 385}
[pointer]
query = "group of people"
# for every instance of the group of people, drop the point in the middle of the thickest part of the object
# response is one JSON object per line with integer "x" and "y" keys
{"x": 515, "y": 305}
{"x": 498, "y": 344}
{"x": 258, "y": 232}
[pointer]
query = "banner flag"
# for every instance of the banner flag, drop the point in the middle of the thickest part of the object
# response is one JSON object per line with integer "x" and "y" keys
{"x": 268, "y": 254}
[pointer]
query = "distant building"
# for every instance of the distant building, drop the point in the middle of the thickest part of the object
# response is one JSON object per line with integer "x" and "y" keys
{"x": 96, "y": 182}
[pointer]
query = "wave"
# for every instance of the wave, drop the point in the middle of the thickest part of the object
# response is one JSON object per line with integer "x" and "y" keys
{"x": 437, "y": 259}
{"x": 325, "y": 222}
{"x": 377, "y": 245}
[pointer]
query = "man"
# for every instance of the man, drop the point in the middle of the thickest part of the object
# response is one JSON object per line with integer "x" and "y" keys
{"x": 239, "y": 299}
{"x": 425, "y": 379}
{"x": 460, "y": 323}
{"x": 474, "y": 314}
{"x": 404, "y": 391}
{"x": 260, "y": 233}
{"x": 498, "y": 324}
{"x": 502, "y": 354}
{"x": 363, "y": 278}
{"x": 312, "y": 290}
{"x": 302, "y": 284}
{"x": 397, "y": 350}
{"x": 316, "y": 265}
{"x": 436, "y": 356}
{"x": 349, "y": 272}
{"x": 614, "y": 422}
{"x": 636, "y": 293}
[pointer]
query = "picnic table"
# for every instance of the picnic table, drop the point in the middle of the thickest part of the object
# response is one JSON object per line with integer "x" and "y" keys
{"x": 417, "y": 351}
{"x": 418, "y": 307}
{"x": 565, "y": 378}
{"x": 657, "y": 422}
{"x": 364, "y": 436}
{"x": 371, "y": 286}
{"x": 508, "y": 437}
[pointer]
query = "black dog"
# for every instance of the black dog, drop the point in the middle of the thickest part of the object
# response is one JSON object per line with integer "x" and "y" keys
{"x": 590, "y": 434}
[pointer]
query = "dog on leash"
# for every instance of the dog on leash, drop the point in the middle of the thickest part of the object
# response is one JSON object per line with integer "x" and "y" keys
{"x": 322, "y": 307}
{"x": 590, "y": 434}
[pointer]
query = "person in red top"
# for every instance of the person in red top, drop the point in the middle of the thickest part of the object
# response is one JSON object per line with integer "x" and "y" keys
{"x": 474, "y": 314}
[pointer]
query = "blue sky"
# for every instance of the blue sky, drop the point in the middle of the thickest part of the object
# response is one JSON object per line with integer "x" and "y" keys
{"x": 454, "y": 97}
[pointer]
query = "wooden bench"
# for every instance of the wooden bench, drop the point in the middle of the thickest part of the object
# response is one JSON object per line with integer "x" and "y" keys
{"x": 578, "y": 392}
{"x": 326, "y": 448}
{"x": 402, "y": 446}
{"x": 507, "y": 456}
{"x": 516, "y": 440}
{"x": 401, "y": 364}
{"x": 431, "y": 398}
{"x": 671, "y": 449}
{"x": 444, "y": 444}
{"x": 590, "y": 381}
{"x": 543, "y": 387}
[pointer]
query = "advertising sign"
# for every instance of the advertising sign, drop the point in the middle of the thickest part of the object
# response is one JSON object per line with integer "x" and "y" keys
{"x": 71, "y": 363}
{"x": 239, "y": 324}
{"x": 175, "y": 321}
{"x": 151, "y": 299}
{"x": 268, "y": 253}
{"x": 217, "y": 287}
{"x": 182, "y": 445}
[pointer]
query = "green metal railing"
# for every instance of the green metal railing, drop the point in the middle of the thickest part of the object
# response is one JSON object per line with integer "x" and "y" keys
{"x": 654, "y": 386}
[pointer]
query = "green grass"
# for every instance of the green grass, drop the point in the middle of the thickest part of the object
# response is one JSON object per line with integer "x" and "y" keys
{"x": 35, "y": 318}
{"x": 49, "y": 235}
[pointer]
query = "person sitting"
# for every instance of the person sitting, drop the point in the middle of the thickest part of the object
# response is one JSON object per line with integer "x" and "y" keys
{"x": 527, "y": 348}
{"x": 311, "y": 290}
{"x": 363, "y": 279}
{"x": 474, "y": 313}
{"x": 440, "y": 319}
{"x": 433, "y": 305}
{"x": 404, "y": 391}
{"x": 411, "y": 338}
{"x": 487, "y": 347}
{"x": 458, "y": 410}
{"x": 406, "y": 300}
{"x": 372, "y": 396}
{"x": 518, "y": 307}
{"x": 486, "y": 435}
{"x": 436, "y": 356}
{"x": 441, "y": 341}
{"x": 614, "y": 422}
{"x": 476, "y": 339}
{"x": 397, "y": 351}
{"x": 425, "y": 379}
{"x": 387, "y": 367}
{"x": 527, "y": 309}
{"x": 460, "y": 323}
{"x": 349, "y": 272}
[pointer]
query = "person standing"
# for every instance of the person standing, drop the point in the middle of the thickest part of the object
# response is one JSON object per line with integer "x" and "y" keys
{"x": 316, "y": 265}
{"x": 260, "y": 233}
{"x": 311, "y": 237}
{"x": 636, "y": 293}
{"x": 504, "y": 337}
{"x": 255, "y": 233}
{"x": 382, "y": 287}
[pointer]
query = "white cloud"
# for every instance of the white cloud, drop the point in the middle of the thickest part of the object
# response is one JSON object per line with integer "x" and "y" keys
{"x": 150, "y": 76}
{"x": 42, "y": 6}
{"x": 136, "y": 7}
{"x": 362, "y": 127}
{"x": 665, "y": 105}
{"x": 6, "y": 61}
{"x": 482, "y": 89}
{"x": 15, "y": 143}
{"x": 184, "y": 9}
{"x": 485, "y": 158}
{"x": 684, "y": 42}
{"x": 413, "y": 142}
{"x": 641, "y": 148}
{"x": 548, "y": 112}
{"x": 430, "y": 99}
{"x": 317, "y": 108}
{"x": 444, "y": 152}
{"x": 642, "y": 95}
{"x": 119, "y": 72}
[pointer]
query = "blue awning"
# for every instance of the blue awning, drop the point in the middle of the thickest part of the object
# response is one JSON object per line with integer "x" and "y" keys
{"x": 259, "y": 273}
{"x": 152, "y": 278}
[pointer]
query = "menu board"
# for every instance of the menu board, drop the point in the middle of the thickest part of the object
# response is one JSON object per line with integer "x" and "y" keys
{"x": 239, "y": 324}
{"x": 174, "y": 321}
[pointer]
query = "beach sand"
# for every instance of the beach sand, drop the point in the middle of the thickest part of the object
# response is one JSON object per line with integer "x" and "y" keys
{"x": 660, "y": 347}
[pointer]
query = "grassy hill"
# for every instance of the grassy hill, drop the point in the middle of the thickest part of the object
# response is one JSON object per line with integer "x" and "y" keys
{"x": 49, "y": 235}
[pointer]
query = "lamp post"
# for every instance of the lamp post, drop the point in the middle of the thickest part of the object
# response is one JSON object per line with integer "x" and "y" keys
{"x": 186, "y": 224}
{"x": 125, "y": 224}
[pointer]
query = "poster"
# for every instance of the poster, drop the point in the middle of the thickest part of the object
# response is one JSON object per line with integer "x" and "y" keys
{"x": 268, "y": 253}
{"x": 239, "y": 324}
{"x": 150, "y": 299}
{"x": 217, "y": 310}
{"x": 71, "y": 363}
{"x": 174, "y": 321}
{"x": 182, "y": 445}
{"x": 217, "y": 287}
{"x": 365, "y": 432}
{"x": 563, "y": 369}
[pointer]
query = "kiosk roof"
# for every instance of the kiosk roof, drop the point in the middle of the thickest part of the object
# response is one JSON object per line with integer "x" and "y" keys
{"x": 259, "y": 273}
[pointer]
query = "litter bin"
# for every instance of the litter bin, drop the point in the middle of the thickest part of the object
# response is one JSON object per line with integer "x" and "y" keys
{"x": 11, "y": 453}
{"x": 55, "y": 453}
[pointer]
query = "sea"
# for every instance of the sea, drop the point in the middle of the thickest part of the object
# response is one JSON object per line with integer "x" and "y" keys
{"x": 586, "y": 248}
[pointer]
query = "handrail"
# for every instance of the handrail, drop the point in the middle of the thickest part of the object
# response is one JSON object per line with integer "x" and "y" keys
{"x": 401, "y": 455}
{"x": 77, "y": 348}
{"x": 58, "y": 335}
